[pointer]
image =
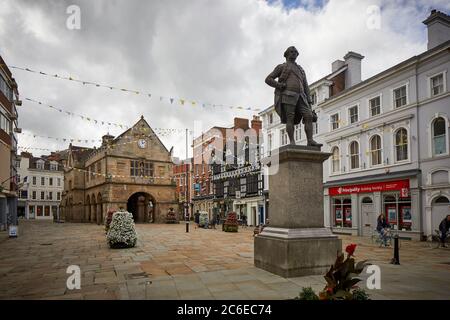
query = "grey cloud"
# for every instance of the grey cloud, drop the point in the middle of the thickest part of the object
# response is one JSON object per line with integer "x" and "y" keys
{"x": 208, "y": 51}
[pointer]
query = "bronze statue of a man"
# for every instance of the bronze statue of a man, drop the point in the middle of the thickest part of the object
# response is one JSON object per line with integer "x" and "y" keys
{"x": 292, "y": 98}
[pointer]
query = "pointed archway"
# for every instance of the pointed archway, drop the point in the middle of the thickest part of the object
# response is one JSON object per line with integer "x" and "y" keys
{"x": 99, "y": 215}
{"x": 87, "y": 213}
{"x": 142, "y": 205}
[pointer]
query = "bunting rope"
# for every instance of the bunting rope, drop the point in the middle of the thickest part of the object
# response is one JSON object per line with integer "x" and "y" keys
{"x": 79, "y": 140}
{"x": 162, "y": 131}
{"x": 181, "y": 102}
{"x": 118, "y": 175}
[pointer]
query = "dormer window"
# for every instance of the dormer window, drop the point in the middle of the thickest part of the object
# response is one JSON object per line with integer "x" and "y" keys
{"x": 40, "y": 165}
{"x": 53, "y": 166}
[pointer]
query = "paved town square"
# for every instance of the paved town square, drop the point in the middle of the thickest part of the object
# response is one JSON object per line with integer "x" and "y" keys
{"x": 168, "y": 263}
{"x": 212, "y": 151}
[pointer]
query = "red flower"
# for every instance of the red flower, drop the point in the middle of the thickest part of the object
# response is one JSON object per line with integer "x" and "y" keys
{"x": 350, "y": 249}
{"x": 330, "y": 290}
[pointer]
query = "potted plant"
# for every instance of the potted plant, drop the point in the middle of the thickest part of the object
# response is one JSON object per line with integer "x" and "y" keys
{"x": 341, "y": 280}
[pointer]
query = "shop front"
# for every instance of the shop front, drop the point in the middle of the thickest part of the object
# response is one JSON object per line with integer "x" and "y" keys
{"x": 354, "y": 208}
{"x": 250, "y": 210}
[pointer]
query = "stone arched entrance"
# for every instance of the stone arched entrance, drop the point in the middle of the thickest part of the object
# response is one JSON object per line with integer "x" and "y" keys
{"x": 88, "y": 209}
{"x": 99, "y": 214}
{"x": 93, "y": 210}
{"x": 142, "y": 205}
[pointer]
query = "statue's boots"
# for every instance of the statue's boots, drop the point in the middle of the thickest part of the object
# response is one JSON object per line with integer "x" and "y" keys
{"x": 312, "y": 143}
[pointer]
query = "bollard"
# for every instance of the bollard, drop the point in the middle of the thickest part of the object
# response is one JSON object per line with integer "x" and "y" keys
{"x": 187, "y": 226}
{"x": 396, "y": 259}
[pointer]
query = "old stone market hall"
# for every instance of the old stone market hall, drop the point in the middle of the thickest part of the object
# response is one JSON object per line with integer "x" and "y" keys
{"x": 132, "y": 171}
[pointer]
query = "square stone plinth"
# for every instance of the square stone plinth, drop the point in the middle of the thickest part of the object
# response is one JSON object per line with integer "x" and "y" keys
{"x": 296, "y": 187}
{"x": 289, "y": 256}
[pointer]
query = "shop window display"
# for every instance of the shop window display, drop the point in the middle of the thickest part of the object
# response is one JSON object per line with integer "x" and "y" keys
{"x": 398, "y": 212}
{"x": 342, "y": 209}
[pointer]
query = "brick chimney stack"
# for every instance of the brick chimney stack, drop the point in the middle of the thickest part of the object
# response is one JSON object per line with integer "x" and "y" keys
{"x": 256, "y": 123}
{"x": 241, "y": 123}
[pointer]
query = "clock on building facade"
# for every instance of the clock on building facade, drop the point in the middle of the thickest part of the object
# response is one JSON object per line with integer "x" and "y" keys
{"x": 142, "y": 143}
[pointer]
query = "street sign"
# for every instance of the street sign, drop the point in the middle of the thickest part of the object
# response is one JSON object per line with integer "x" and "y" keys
{"x": 13, "y": 231}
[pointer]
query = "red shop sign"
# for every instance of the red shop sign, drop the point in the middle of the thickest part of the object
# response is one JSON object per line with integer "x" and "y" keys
{"x": 399, "y": 185}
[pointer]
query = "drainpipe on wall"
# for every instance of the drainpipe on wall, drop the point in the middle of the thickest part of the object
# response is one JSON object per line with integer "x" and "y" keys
{"x": 419, "y": 176}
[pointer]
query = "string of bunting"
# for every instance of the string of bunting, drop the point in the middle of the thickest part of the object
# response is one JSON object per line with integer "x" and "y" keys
{"x": 161, "y": 131}
{"x": 119, "y": 175}
{"x": 172, "y": 100}
{"x": 80, "y": 140}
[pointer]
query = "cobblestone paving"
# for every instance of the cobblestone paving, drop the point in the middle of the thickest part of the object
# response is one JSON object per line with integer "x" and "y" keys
{"x": 169, "y": 263}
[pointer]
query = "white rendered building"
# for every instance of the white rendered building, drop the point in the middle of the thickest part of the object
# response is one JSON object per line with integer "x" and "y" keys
{"x": 41, "y": 186}
{"x": 389, "y": 140}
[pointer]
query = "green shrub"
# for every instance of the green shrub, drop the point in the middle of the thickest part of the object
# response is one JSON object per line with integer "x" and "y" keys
{"x": 360, "y": 294}
{"x": 308, "y": 294}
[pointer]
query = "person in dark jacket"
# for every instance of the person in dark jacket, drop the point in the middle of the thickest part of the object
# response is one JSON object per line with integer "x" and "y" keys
{"x": 196, "y": 218}
{"x": 382, "y": 227}
{"x": 444, "y": 226}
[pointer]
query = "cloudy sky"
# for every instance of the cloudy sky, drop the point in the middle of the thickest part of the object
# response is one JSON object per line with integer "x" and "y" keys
{"x": 216, "y": 52}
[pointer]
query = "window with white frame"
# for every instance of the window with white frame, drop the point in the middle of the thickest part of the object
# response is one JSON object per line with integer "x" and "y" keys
{"x": 270, "y": 118}
{"x": 439, "y": 134}
{"x": 5, "y": 123}
{"x": 284, "y": 137}
{"x": 269, "y": 143}
{"x": 437, "y": 84}
{"x": 313, "y": 98}
{"x": 298, "y": 132}
{"x": 53, "y": 166}
{"x": 42, "y": 195}
{"x": 59, "y": 182}
{"x": 354, "y": 155}
{"x": 33, "y": 195}
{"x": 34, "y": 181}
{"x": 375, "y": 106}
{"x": 401, "y": 144}
{"x": 353, "y": 114}
{"x": 334, "y": 120}
{"x": 335, "y": 160}
{"x": 316, "y": 127}
{"x": 42, "y": 181}
{"x": 400, "y": 97}
{"x": 375, "y": 150}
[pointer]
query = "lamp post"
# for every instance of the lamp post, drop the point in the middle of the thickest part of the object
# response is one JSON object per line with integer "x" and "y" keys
{"x": 186, "y": 215}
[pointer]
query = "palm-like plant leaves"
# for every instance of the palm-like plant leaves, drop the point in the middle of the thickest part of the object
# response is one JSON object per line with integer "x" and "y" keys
{"x": 361, "y": 265}
{"x": 341, "y": 278}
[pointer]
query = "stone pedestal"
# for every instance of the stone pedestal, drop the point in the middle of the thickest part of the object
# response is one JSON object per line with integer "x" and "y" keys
{"x": 296, "y": 243}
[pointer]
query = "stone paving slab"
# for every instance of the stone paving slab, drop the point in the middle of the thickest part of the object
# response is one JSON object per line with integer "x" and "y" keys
{"x": 169, "y": 263}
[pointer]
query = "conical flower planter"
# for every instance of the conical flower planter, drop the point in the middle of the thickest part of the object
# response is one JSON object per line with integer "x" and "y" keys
{"x": 121, "y": 233}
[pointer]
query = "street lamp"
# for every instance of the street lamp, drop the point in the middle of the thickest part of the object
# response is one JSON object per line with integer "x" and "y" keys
{"x": 186, "y": 215}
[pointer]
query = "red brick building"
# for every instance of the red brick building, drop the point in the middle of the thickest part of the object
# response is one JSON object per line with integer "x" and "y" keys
{"x": 182, "y": 174}
{"x": 211, "y": 145}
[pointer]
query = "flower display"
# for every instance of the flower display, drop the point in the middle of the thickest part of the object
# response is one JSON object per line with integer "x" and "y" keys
{"x": 350, "y": 249}
{"x": 122, "y": 233}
